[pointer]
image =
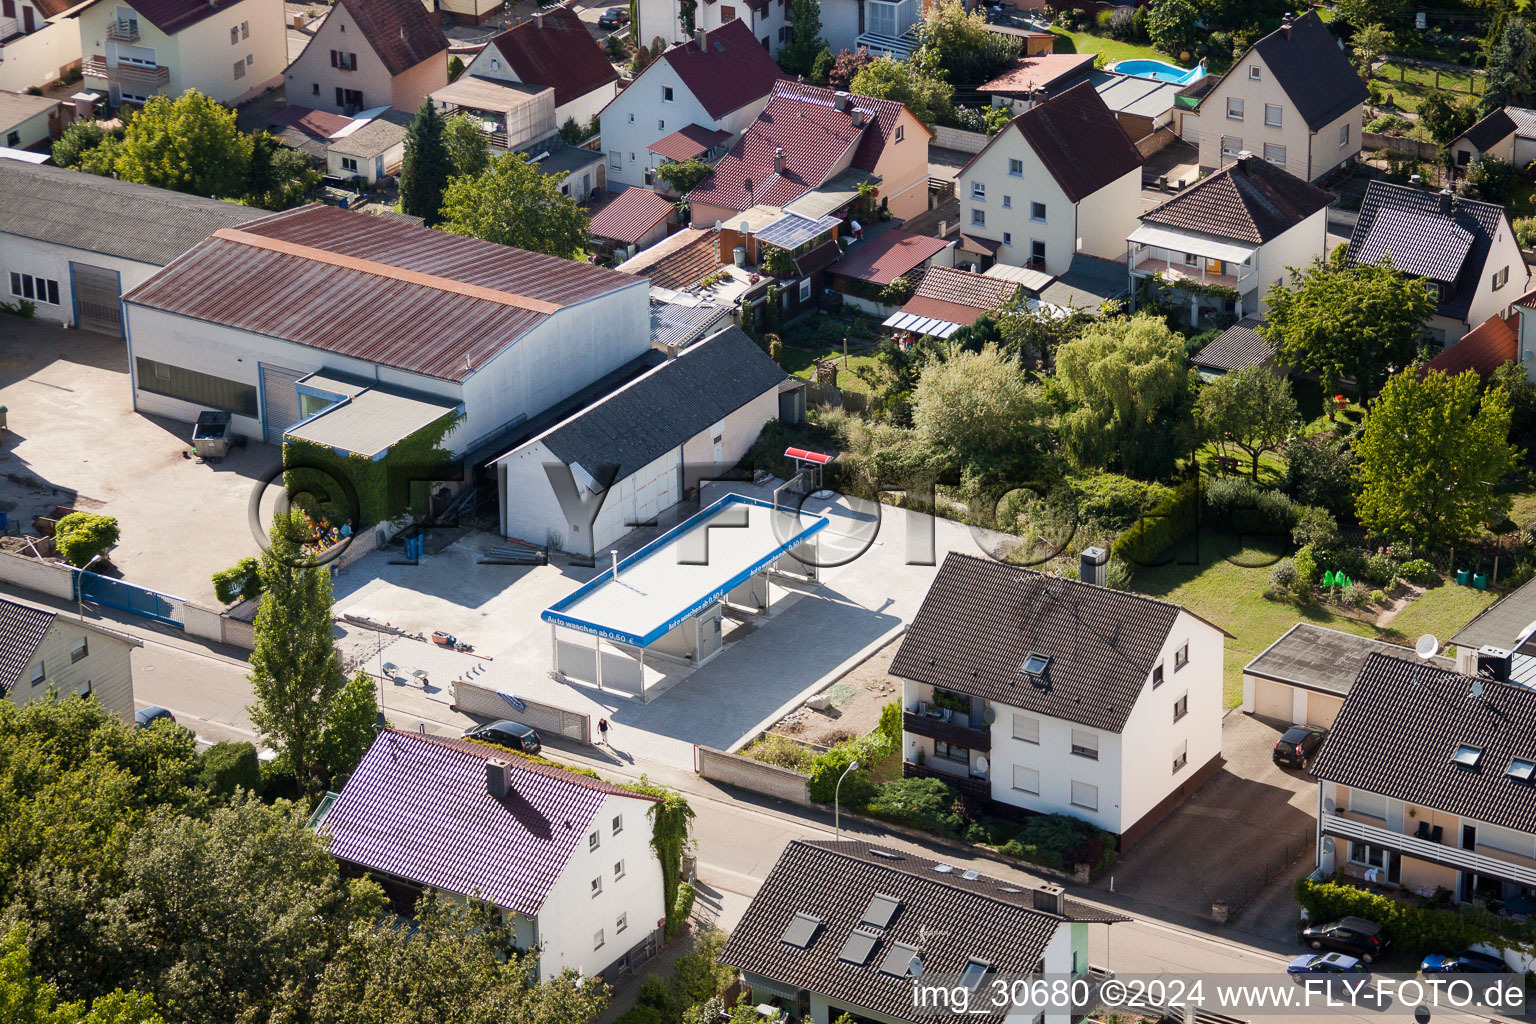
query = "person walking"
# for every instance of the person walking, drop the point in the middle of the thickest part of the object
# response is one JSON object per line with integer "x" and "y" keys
{"x": 602, "y": 731}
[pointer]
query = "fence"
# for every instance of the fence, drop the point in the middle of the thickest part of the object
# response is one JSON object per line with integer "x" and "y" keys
{"x": 475, "y": 699}
{"x": 958, "y": 139}
{"x": 1275, "y": 865}
{"x": 757, "y": 776}
{"x": 1158, "y": 138}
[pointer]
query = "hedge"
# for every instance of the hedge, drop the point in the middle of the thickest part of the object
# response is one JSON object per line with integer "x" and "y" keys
{"x": 1413, "y": 930}
{"x": 226, "y": 767}
{"x": 1161, "y": 528}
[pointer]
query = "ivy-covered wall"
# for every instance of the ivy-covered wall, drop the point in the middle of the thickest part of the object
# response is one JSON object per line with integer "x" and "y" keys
{"x": 356, "y": 488}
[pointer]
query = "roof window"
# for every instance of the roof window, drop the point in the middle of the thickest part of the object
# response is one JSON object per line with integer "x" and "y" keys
{"x": 1467, "y": 755}
{"x": 860, "y": 944}
{"x": 1521, "y": 769}
{"x": 802, "y": 929}
{"x": 901, "y": 961}
{"x": 975, "y": 970}
{"x": 881, "y": 910}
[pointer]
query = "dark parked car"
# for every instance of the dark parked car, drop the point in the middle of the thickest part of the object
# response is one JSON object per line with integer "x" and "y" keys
{"x": 1325, "y": 963}
{"x": 1353, "y": 935}
{"x": 1298, "y": 746}
{"x": 614, "y": 17}
{"x": 1468, "y": 961}
{"x": 146, "y": 717}
{"x": 511, "y": 735}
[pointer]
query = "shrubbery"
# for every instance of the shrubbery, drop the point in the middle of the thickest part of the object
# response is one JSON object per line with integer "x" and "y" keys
{"x": 928, "y": 804}
{"x": 1237, "y": 504}
{"x": 226, "y": 767}
{"x": 1110, "y": 503}
{"x": 1413, "y": 930}
{"x": 1417, "y": 570}
{"x": 1165, "y": 526}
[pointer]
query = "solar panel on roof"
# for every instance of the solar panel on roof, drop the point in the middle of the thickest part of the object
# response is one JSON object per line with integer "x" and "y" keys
{"x": 802, "y": 929}
{"x": 901, "y": 961}
{"x": 858, "y": 947}
{"x": 880, "y": 910}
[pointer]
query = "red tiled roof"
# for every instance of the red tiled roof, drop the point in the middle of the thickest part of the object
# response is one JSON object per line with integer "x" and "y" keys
{"x": 803, "y": 121}
{"x": 1489, "y": 346}
{"x": 888, "y": 256}
{"x": 690, "y": 256}
{"x": 318, "y": 124}
{"x": 556, "y": 50}
{"x": 731, "y": 71}
{"x": 687, "y": 143}
{"x": 1042, "y": 72}
{"x": 376, "y": 288}
{"x": 630, "y": 214}
{"x": 1528, "y": 299}
{"x": 958, "y": 296}
{"x": 401, "y": 32}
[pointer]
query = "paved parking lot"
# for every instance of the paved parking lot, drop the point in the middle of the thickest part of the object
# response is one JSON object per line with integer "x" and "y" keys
{"x": 72, "y": 438}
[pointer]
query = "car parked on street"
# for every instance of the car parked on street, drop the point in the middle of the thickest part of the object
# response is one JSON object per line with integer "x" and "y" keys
{"x": 512, "y": 735}
{"x": 614, "y": 17}
{"x": 1353, "y": 935}
{"x": 148, "y": 716}
{"x": 1298, "y": 746}
{"x": 1468, "y": 961}
{"x": 1325, "y": 963}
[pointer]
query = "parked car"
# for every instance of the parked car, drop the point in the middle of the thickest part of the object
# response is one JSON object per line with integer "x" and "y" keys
{"x": 1325, "y": 963}
{"x": 512, "y": 735}
{"x": 1468, "y": 961}
{"x": 146, "y": 717}
{"x": 614, "y": 17}
{"x": 1298, "y": 746}
{"x": 1353, "y": 935}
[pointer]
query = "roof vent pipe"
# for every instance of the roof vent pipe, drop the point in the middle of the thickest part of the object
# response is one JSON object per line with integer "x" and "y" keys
{"x": 778, "y": 159}
{"x": 614, "y": 552}
{"x": 698, "y": 37}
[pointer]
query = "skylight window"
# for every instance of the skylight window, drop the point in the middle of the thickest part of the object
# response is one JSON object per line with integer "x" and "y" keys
{"x": 1521, "y": 769}
{"x": 1467, "y": 756}
{"x": 802, "y": 929}
{"x": 901, "y": 961}
{"x": 975, "y": 970}
{"x": 860, "y": 944}
{"x": 1036, "y": 664}
{"x": 970, "y": 874}
{"x": 943, "y": 869}
{"x": 881, "y": 910}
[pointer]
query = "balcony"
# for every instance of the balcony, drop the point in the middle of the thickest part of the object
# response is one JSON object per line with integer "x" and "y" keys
{"x": 1507, "y": 867}
{"x": 944, "y": 724}
{"x": 1174, "y": 269}
{"x": 134, "y": 77}
{"x": 123, "y": 31}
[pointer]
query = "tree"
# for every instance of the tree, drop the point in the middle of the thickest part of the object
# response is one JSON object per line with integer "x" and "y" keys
{"x": 821, "y": 67}
{"x": 228, "y": 767}
{"x": 81, "y": 536}
{"x": 277, "y": 177}
{"x": 455, "y": 67}
{"x": 798, "y": 57}
{"x": 1034, "y": 334}
{"x": 465, "y": 142}
{"x": 513, "y": 203}
{"x": 189, "y": 144}
{"x": 1445, "y": 119}
{"x": 1171, "y": 23}
{"x": 26, "y": 999}
{"x": 78, "y": 139}
{"x": 1339, "y": 320}
{"x": 349, "y": 729}
{"x": 1360, "y": 13}
{"x": 1511, "y": 75}
{"x": 295, "y": 672}
{"x": 1490, "y": 180}
{"x": 1522, "y": 403}
{"x": 1128, "y": 388}
{"x": 1431, "y": 456}
{"x": 240, "y": 582}
{"x": 847, "y": 66}
{"x": 456, "y": 966}
{"x": 1252, "y": 408}
{"x": 427, "y": 167}
{"x": 1370, "y": 43}
{"x": 978, "y": 409}
{"x": 930, "y": 99}
{"x": 960, "y": 45}
{"x": 684, "y": 176}
{"x": 1321, "y": 471}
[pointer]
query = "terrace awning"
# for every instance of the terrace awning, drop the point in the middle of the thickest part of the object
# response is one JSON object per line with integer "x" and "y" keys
{"x": 921, "y": 325}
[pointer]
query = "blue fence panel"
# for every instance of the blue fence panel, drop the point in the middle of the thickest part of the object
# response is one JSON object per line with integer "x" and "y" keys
{"x": 128, "y": 597}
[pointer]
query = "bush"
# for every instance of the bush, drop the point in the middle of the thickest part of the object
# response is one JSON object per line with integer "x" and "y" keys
{"x": 682, "y": 906}
{"x": 1356, "y": 594}
{"x": 1110, "y": 503}
{"x": 1525, "y": 232}
{"x": 928, "y": 804}
{"x": 1308, "y": 575}
{"x": 684, "y": 176}
{"x": 780, "y": 750}
{"x": 240, "y": 582}
{"x": 1381, "y": 569}
{"x": 858, "y": 787}
{"x": 226, "y": 767}
{"x": 1413, "y": 930}
{"x": 1387, "y": 124}
{"x": 1168, "y": 524}
{"x": 1419, "y": 571}
{"x": 1061, "y": 841}
{"x": 1237, "y": 503}
{"x": 82, "y": 536}
{"x": 1283, "y": 575}
{"x": 1378, "y": 597}
{"x": 1320, "y": 471}
{"x": 776, "y": 262}
{"x": 1314, "y": 525}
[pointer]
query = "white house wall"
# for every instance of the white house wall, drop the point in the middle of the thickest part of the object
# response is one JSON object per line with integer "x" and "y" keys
{"x": 37, "y": 59}
{"x": 47, "y": 260}
{"x": 840, "y": 24}
{"x": 664, "y": 18}
{"x": 105, "y": 670}
{"x": 1503, "y": 252}
{"x": 1296, "y": 247}
{"x": 739, "y": 433}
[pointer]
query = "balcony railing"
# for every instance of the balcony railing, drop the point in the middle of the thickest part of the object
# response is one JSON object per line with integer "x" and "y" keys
{"x": 123, "y": 31}
{"x": 137, "y": 76}
{"x": 1426, "y": 849}
{"x": 955, "y": 730}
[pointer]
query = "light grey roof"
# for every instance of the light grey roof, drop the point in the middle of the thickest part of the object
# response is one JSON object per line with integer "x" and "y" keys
{"x": 372, "y": 420}
{"x": 1088, "y": 282}
{"x": 1129, "y": 94}
{"x": 1236, "y": 348}
{"x": 1525, "y": 121}
{"x": 673, "y": 323}
{"x": 565, "y": 159}
{"x": 1502, "y": 622}
{"x": 16, "y": 107}
{"x": 1318, "y": 658}
{"x": 376, "y": 137}
{"x": 115, "y": 218}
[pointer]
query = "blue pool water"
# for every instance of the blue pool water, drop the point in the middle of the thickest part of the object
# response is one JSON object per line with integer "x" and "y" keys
{"x": 1159, "y": 70}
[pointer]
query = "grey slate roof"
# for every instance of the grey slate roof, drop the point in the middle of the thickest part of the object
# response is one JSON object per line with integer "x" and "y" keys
{"x": 1502, "y": 622}
{"x": 1314, "y": 71}
{"x": 116, "y": 218}
{"x": 1402, "y": 722}
{"x": 376, "y": 137}
{"x": 835, "y": 882}
{"x": 1088, "y": 282}
{"x": 1427, "y": 230}
{"x": 982, "y": 619}
{"x": 22, "y": 629}
{"x": 1317, "y": 658}
{"x": 1236, "y": 348}
{"x": 668, "y": 405}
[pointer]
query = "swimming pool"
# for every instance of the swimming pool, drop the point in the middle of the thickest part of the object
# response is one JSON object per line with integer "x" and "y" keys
{"x": 1159, "y": 70}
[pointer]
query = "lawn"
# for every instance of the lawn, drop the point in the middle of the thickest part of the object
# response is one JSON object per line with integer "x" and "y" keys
{"x": 1441, "y": 611}
{"x": 1086, "y": 42}
{"x": 799, "y": 362}
{"x": 1408, "y": 84}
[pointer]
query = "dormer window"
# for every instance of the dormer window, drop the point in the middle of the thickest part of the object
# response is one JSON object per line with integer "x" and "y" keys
{"x": 975, "y": 971}
{"x": 1467, "y": 755}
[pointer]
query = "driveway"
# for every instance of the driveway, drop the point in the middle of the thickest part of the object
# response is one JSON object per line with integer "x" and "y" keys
{"x": 1241, "y": 831}
{"x": 72, "y": 438}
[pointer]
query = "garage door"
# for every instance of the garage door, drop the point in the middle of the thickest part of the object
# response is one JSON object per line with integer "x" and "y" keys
{"x": 1272, "y": 700}
{"x": 1190, "y": 128}
{"x": 98, "y": 305}
{"x": 1321, "y": 710}
{"x": 280, "y": 401}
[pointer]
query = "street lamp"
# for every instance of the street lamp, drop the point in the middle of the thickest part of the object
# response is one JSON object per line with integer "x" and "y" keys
{"x": 837, "y": 810}
{"x": 80, "y": 582}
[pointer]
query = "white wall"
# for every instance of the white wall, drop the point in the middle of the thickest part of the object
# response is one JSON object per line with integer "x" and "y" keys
{"x": 664, "y": 18}
{"x": 840, "y": 24}
{"x": 105, "y": 670}
{"x": 1297, "y": 247}
{"x": 36, "y": 59}
{"x": 1503, "y": 252}
{"x": 44, "y": 259}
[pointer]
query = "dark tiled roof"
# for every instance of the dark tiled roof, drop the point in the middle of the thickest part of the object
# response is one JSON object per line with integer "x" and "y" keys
{"x": 1490, "y": 131}
{"x": 1426, "y": 230}
{"x": 557, "y": 50}
{"x": 401, "y": 32}
{"x": 116, "y": 218}
{"x": 1249, "y": 200}
{"x": 951, "y": 918}
{"x": 1236, "y": 348}
{"x": 688, "y": 142}
{"x": 22, "y": 629}
{"x": 1324, "y": 659}
{"x": 49, "y": 8}
{"x": 887, "y": 256}
{"x": 307, "y": 129}
{"x": 1484, "y": 349}
{"x": 417, "y": 808}
{"x": 657, "y": 412}
{"x": 1079, "y": 140}
{"x": 729, "y": 72}
{"x": 171, "y": 16}
{"x": 1500, "y": 624}
{"x": 1314, "y": 71}
{"x": 982, "y": 619}
{"x": 1402, "y": 722}
{"x": 630, "y": 214}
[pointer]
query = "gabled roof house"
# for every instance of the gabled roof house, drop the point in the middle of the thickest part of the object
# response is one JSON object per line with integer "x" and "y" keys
{"x": 371, "y": 53}
{"x": 1507, "y": 134}
{"x": 43, "y": 651}
{"x": 553, "y": 48}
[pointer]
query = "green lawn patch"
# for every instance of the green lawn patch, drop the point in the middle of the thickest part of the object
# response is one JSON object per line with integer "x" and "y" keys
{"x": 799, "y": 363}
{"x": 1442, "y": 611}
{"x": 1409, "y": 90}
{"x": 1085, "y": 42}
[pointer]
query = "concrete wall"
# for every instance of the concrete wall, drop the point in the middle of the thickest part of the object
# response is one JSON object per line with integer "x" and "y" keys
{"x": 958, "y": 139}
{"x": 50, "y": 578}
{"x": 39, "y": 58}
{"x": 478, "y": 699}
{"x": 745, "y": 773}
{"x": 1372, "y": 141}
{"x": 47, "y": 260}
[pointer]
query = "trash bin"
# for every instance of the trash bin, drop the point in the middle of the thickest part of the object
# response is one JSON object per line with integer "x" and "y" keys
{"x": 1461, "y": 577}
{"x": 2, "y": 417}
{"x": 1480, "y": 581}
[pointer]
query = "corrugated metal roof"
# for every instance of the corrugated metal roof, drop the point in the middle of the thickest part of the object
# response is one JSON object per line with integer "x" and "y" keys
{"x": 630, "y": 214}
{"x": 1238, "y": 347}
{"x": 477, "y": 93}
{"x": 375, "y": 288}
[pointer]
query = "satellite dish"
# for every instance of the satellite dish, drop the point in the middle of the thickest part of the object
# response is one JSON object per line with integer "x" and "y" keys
{"x": 981, "y": 762}
{"x": 1427, "y": 647}
{"x": 717, "y": 225}
{"x": 1477, "y": 689}
{"x": 745, "y": 227}
{"x": 1525, "y": 634}
{"x": 1327, "y": 844}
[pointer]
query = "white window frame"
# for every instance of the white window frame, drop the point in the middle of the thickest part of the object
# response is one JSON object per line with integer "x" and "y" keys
{"x": 1085, "y": 744}
{"x": 1371, "y": 807}
{"x": 1231, "y": 146}
{"x": 805, "y": 290}
{"x": 1270, "y": 150}
{"x": 1029, "y": 782}
{"x": 1500, "y": 279}
{"x": 618, "y": 823}
{"x": 1015, "y": 168}
{"x": 1157, "y": 675}
{"x": 979, "y": 191}
{"x": 618, "y": 870}
{"x": 901, "y": 132}
{"x": 1278, "y": 111}
{"x": 1234, "y": 112}
{"x": 1008, "y": 238}
{"x": 594, "y": 840}
{"x": 1079, "y": 799}
{"x": 1026, "y": 728}
{"x": 1343, "y": 135}
{"x": 1254, "y": 74}
{"x": 621, "y": 923}
{"x": 1180, "y": 756}
{"x": 1181, "y": 656}
{"x": 597, "y": 940}
{"x": 1007, "y": 202}
{"x": 978, "y": 218}
{"x": 666, "y": 94}
{"x": 597, "y": 886}
{"x": 79, "y": 650}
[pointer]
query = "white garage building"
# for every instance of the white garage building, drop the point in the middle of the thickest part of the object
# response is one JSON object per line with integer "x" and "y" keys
{"x": 633, "y": 454}
{"x": 73, "y": 243}
{"x": 1303, "y": 677}
{"x": 504, "y": 333}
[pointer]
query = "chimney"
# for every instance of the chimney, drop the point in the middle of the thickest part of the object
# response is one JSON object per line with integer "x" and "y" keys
{"x": 497, "y": 783}
{"x": 1049, "y": 898}
{"x": 841, "y": 100}
{"x": 748, "y": 186}
{"x": 1092, "y": 568}
{"x": 778, "y": 159}
{"x": 1243, "y": 158}
{"x": 538, "y": 21}
{"x": 1445, "y": 201}
{"x": 1285, "y": 26}
{"x": 858, "y": 117}
{"x": 698, "y": 37}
